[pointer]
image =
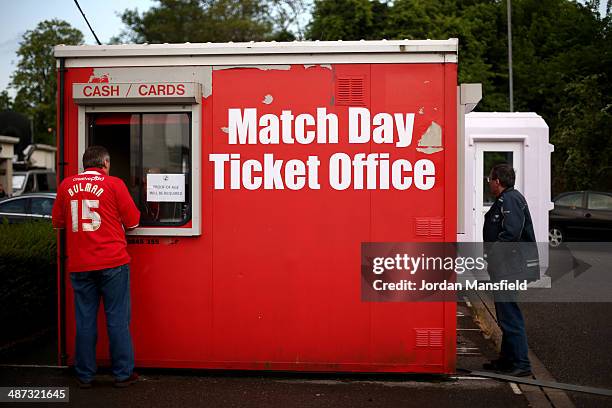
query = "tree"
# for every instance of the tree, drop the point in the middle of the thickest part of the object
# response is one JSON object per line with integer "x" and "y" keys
{"x": 562, "y": 52}
{"x": 6, "y": 103}
{"x": 35, "y": 76}
{"x": 346, "y": 20}
{"x": 179, "y": 21}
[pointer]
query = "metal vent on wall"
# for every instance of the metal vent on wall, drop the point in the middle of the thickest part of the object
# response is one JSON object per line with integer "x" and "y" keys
{"x": 432, "y": 338}
{"x": 350, "y": 91}
{"x": 429, "y": 227}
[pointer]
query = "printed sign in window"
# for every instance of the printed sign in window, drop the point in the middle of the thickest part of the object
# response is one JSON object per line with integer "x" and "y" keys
{"x": 166, "y": 187}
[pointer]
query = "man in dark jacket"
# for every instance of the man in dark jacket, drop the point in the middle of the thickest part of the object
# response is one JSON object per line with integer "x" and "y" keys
{"x": 508, "y": 224}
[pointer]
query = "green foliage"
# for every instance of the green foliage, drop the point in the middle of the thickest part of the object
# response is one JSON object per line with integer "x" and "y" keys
{"x": 34, "y": 240}
{"x": 6, "y": 102}
{"x": 584, "y": 132}
{"x": 345, "y": 19}
{"x": 28, "y": 270}
{"x": 178, "y": 21}
{"x": 35, "y": 76}
{"x": 562, "y": 62}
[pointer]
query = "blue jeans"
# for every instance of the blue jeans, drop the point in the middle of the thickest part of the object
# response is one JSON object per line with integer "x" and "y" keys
{"x": 113, "y": 286}
{"x": 514, "y": 347}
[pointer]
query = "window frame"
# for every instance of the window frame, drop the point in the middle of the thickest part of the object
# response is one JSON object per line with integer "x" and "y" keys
{"x": 192, "y": 226}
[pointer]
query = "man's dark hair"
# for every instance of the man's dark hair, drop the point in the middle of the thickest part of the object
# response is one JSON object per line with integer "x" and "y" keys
{"x": 504, "y": 173}
{"x": 94, "y": 156}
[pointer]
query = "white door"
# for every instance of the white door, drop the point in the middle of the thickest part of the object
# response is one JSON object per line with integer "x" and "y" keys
{"x": 488, "y": 154}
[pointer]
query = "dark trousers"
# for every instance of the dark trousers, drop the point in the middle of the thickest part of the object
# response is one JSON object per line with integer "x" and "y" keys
{"x": 113, "y": 286}
{"x": 514, "y": 347}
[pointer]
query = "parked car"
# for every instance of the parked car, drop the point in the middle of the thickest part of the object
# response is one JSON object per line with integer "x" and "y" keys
{"x": 27, "y": 207}
{"x": 581, "y": 216}
{"x": 34, "y": 181}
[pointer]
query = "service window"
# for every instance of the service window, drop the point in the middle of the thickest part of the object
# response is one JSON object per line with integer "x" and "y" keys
{"x": 151, "y": 152}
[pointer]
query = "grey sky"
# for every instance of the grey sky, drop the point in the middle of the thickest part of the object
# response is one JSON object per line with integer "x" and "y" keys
{"x": 18, "y": 16}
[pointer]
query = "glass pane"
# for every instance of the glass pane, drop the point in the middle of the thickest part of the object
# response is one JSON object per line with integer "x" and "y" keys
{"x": 13, "y": 206}
{"x": 165, "y": 150}
{"x": 490, "y": 160}
{"x": 600, "y": 202}
{"x": 41, "y": 206}
{"x": 114, "y": 132}
{"x": 147, "y": 143}
{"x": 120, "y": 134}
{"x": 570, "y": 200}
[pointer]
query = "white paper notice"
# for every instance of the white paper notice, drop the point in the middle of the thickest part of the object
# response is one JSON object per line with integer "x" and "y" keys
{"x": 166, "y": 187}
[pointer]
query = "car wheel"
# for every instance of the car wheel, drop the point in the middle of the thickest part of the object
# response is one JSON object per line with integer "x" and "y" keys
{"x": 555, "y": 237}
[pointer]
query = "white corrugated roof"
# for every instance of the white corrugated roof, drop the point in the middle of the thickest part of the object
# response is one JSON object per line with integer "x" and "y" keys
{"x": 449, "y": 46}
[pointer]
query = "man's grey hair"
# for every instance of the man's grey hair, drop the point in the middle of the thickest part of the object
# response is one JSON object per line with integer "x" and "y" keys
{"x": 505, "y": 174}
{"x": 94, "y": 156}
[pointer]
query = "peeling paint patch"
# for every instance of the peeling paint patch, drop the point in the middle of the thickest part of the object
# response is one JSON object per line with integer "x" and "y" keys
{"x": 268, "y": 99}
{"x": 431, "y": 141}
{"x": 328, "y": 66}
{"x": 260, "y": 67}
{"x": 98, "y": 78}
{"x": 225, "y": 129}
{"x": 421, "y": 110}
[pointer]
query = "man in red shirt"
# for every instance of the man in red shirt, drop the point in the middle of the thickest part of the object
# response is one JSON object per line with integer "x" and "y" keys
{"x": 96, "y": 209}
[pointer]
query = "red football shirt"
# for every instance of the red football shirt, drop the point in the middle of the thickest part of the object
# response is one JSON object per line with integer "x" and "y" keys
{"x": 95, "y": 209}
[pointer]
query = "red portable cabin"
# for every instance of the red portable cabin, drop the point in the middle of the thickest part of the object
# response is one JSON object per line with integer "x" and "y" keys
{"x": 259, "y": 169}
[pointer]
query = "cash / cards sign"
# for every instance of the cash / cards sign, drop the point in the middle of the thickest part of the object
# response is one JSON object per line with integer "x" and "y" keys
{"x": 166, "y": 188}
{"x": 145, "y": 92}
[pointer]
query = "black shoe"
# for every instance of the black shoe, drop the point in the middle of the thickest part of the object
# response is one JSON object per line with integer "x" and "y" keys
{"x": 498, "y": 364}
{"x": 516, "y": 372}
{"x": 83, "y": 384}
{"x": 127, "y": 382}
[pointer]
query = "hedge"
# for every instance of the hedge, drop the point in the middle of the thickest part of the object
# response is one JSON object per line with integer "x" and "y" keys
{"x": 28, "y": 289}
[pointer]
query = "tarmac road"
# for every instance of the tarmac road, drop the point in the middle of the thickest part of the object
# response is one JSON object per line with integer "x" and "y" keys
{"x": 231, "y": 389}
{"x": 574, "y": 340}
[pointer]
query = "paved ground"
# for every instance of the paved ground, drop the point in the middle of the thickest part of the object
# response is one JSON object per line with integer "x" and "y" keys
{"x": 254, "y": 389}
